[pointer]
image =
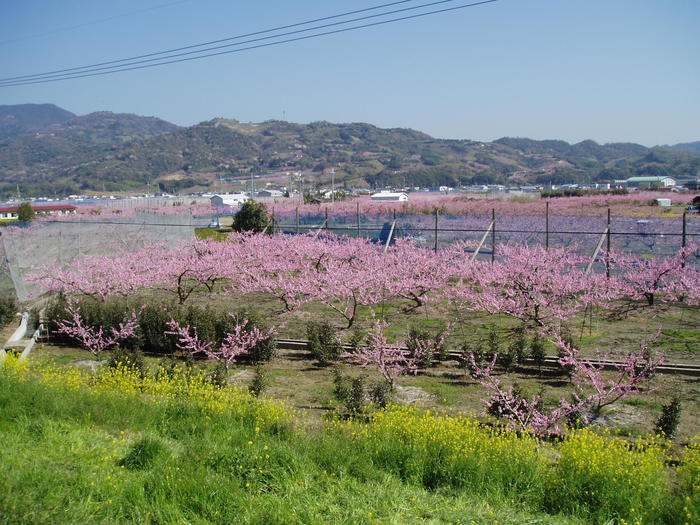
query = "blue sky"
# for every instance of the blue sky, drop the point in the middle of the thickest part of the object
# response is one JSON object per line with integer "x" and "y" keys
{"x": 609, "y": 70}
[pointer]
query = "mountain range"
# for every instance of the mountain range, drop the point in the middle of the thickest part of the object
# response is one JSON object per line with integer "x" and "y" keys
{"x": 46, "y": 150}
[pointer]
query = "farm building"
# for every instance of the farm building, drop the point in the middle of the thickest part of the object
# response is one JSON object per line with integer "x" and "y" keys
{"x": 269, "y": 193}
{"x": 10, "y": 213}
{"x": 389, "y": 196}
{"x": 650, "y": 183}
{"x": 228, "y": 199}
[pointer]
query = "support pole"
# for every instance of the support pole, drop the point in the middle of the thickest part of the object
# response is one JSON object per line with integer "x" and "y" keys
{"x": 391, "y": 234}
{"x": 297, "y": 218}
{"x": 435, "y": 245}
{"x": 597, "y": 250}
{"x": 546, "y": 226}
{"x": 358, "y": 219}
{"x": 607, "y": 255}
{"x": 684, "y": 238}
{"x": 481, "y": 243}
{"x": 320, "y": 228}
{"x": 493, "y": 235}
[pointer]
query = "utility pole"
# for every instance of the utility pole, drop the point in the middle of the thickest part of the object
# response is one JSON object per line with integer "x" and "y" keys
{"x": 332, "y": 184}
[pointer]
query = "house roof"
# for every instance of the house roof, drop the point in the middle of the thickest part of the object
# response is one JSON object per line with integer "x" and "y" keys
{"x": 48, "y": 207}
{"x": 648, "y": 179}
{"x": 388, "y": 195}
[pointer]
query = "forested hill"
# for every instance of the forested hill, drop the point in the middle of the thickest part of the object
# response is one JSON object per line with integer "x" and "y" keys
{"x": 119, "y": 151}
{"x": 24, "y": 119}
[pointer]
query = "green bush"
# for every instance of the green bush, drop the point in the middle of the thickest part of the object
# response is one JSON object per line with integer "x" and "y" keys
{"x": 131, "y": 358}
{"x": 380, "y": 394}
{"x": 670, "y": 419}
{"x": 151, "y": 337}
{"x": 8, "y": 309}
{"x": 324, "y": 344}
{"x": 537, "y": 352}
{"x": 252, "y": 217}
{"x": 350, "y": 391}
{"x": 260, "y": 381}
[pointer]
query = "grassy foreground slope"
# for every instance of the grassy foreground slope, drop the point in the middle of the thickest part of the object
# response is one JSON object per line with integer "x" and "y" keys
{"x": 119, "y": 448}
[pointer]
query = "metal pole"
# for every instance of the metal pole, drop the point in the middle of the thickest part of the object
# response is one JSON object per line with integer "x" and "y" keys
{"x": 436, "y": 232}
{"x": 683, "y": 238}
{"x": 297, "y": 216}
{"x": 493, "y": 235}
{"x": 607, "y": 255}
{"x": 546, "y": 226}
{"x": 358, "y": 219}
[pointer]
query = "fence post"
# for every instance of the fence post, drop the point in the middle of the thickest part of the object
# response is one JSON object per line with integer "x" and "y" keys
{"x": 607, "y": 254}
{"x": 683, "y": 238}
{"x": 436, "y": 231}
{"x": 546, "y": 226}
{"x": 493, "y": 235}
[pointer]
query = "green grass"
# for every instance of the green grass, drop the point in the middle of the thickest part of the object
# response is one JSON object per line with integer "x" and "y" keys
{"x": 209, "y": 233}
{"x": 82, "y": 457}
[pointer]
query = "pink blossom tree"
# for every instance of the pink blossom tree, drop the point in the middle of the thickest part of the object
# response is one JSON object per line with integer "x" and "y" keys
{"x": 594, "y": 389}
{"x": 540, "y": 287}
{"x": 95, "y": 339}
{"x": 390, "y": 360}
{"x": 234, "y": 344}
{"x": 656, "y": 280}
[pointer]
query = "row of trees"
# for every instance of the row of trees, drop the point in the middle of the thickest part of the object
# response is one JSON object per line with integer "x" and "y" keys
{"x": 545, "y": 290}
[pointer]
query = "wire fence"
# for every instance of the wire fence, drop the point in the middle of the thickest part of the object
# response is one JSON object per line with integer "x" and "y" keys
{"x": 641, "y": 236}
{"x": 60, "y": 242}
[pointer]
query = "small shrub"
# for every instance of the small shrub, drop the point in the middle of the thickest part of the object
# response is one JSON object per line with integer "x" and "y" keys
{"x": 142, "y": 454}
{"x": 8, "y": 309}
{"x": 472, "y": 354}
{"x": 537, "y": 352}
{"x": 260, "y": 381}
{"x": 670, "y": 418}
{"x": 219, "y": 375}
{"x": 380, "y": 394}
{"x": 350, "y": 391}
{"x": 323, "y": 342}
{"x": 507, "y": 358}
{"x": 518, "y": 347}
{"x": 130, "y": 358}
{"x": 265, "y": 350}
{"x": 357, "y": 339}
{"x": 416, "y": 336}
{"x": 493, "y": 343}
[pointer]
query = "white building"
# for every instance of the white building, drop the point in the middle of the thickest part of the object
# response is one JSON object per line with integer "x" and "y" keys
{"x": 389, "y": 196}
{"x": 228, "y": 199}
{"x": 650, "y": 183}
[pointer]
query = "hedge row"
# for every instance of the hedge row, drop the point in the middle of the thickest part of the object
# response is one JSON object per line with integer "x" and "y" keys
{"x": 151, "y": 336}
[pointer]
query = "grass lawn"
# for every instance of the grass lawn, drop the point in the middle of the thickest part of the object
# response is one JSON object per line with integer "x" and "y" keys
{"x": 75, "y": 456}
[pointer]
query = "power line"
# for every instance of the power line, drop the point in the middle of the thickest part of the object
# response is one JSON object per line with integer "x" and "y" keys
{"x": 203, "y": 44}
{"x": 118, "y": 69}
{"x": 47, "y": 76}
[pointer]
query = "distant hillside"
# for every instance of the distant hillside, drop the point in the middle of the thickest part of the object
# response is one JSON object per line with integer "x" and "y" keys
{"x": 47, "y": 159}
{"x": 25, "y": 119}
{"x": 688, "y": 146}
{"x": 117, "y": 152}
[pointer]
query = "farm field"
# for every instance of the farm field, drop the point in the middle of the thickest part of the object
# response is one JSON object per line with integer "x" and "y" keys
{"x": 444, "y": 364}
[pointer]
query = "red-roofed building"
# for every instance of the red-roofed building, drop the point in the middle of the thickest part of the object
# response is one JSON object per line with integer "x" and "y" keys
{"x": 9, "y": 213}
